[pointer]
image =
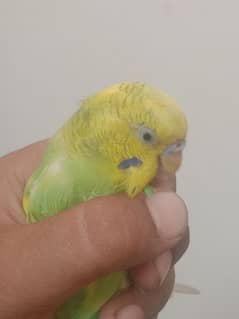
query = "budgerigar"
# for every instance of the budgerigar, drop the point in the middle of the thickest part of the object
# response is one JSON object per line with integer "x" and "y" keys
{"x": 113, "y": 144}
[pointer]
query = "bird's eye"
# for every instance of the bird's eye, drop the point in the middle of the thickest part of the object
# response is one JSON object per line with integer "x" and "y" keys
{"x": 147, "y": 135}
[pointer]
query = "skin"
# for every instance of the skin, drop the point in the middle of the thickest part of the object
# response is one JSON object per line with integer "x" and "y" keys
{"x": 44, "y": 263}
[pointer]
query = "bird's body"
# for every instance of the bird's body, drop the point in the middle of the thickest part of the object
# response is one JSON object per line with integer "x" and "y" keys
{"x": 112, "y": 144}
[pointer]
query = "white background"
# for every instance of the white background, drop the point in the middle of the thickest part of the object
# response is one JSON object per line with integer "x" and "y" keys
{"x": 54, "y": 53}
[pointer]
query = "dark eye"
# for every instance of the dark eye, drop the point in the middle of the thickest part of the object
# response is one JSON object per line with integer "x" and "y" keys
{"x": 147, "y": 135}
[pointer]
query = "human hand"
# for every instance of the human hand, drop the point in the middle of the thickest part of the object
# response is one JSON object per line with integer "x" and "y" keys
{"x": 44, "y": 263}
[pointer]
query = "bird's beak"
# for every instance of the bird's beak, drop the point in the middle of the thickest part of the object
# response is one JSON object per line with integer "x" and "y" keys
{"x": 171, "y": 162}
{"x": 171, "y": 158}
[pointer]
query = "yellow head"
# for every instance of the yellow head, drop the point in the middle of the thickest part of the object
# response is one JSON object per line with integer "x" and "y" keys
{"x": 133, "y": 127}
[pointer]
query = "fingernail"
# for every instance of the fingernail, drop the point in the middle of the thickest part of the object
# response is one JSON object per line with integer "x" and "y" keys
{"x": 169, "y": 214}
{"x": 163, "y": 264}
{"x": 130, "y": 312}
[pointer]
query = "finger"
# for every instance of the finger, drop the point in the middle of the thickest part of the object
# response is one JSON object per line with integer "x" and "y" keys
{"x": 176, "y": 221}
{"x": 134, "y": 304}
{"x": 25, "y": 160}
{"x": 70, "y": 250}
{"x": 164, "y": 182}
{"x": 15, "y": 169}
{"x": 153, "y": 273}
{"x": 181, "y": 247}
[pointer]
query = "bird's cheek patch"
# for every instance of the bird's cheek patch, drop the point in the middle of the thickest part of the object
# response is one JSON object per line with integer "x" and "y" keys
{"x": 130, "y": 162}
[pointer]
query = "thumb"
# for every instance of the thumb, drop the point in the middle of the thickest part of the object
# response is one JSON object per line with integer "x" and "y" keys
{"x": 44, "y": 263}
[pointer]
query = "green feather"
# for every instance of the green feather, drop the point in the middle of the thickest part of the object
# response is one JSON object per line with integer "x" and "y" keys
{"x": 86, "y": 304}
{"x": 148, "y": 191}
{"x": 59, "y": 183}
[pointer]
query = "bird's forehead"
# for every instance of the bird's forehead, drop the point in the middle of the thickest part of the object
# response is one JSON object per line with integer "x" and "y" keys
{"x": 139, "y": 104}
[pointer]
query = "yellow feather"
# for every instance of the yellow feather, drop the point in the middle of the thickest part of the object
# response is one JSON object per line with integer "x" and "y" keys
{"x": 108, "y": 122}
{"x": 25, "y": 202}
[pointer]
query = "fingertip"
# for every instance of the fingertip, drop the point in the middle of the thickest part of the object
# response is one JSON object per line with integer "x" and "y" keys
{"x": 169, "y": 214}
{"x": 151, "y": 275}
{"x": 164, "y": 264}
{"x": 145, "y": 276}
{"x": 130, "y": 312}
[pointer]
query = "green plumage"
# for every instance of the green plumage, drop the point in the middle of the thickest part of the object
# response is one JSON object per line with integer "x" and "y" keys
{"x": 87, "y": 302}
{"x": 55, "y": 187}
